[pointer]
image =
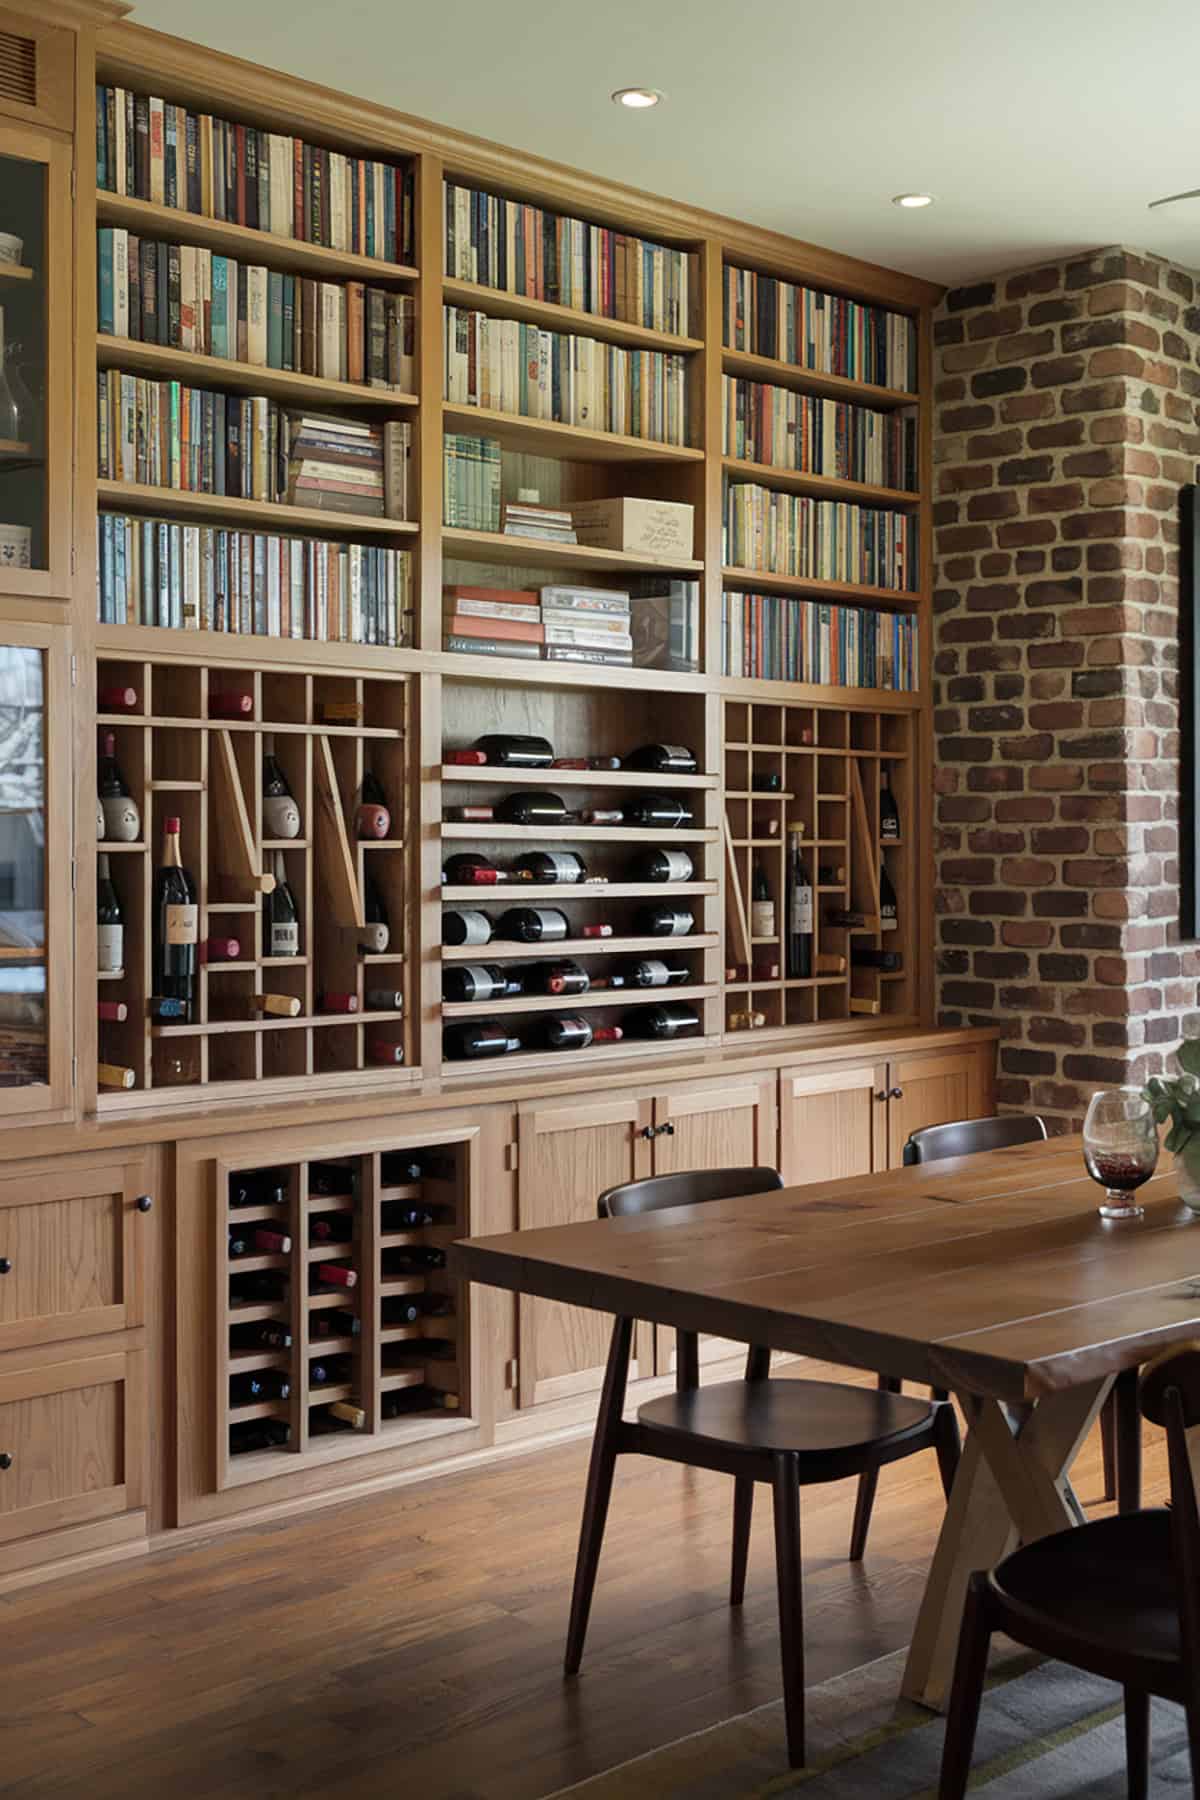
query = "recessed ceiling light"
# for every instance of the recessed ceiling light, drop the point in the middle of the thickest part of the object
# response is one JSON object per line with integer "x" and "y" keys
{"x": 638, "y": 98}
{"x": 912, "y": 200}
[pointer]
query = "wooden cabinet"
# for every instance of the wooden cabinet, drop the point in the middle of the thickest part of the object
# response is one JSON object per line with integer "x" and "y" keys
{"x": 931, "y": 1089}
{"x": 71, "y": 1253}
{"x": 71, "y": 1444}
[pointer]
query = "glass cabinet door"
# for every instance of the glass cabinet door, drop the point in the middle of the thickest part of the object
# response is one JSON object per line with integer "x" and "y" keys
{"x": 35, "y": 351}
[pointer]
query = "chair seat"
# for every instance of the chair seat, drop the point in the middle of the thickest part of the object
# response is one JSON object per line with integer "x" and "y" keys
{"x": 817, "y": 1419}
{"x": 1107, "y": 1586}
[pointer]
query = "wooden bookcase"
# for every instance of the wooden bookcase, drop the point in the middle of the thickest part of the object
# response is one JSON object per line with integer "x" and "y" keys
{"x": 440, "y": 700}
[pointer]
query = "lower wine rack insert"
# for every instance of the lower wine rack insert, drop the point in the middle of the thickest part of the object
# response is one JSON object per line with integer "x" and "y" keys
{"x": 336, "y": 1317}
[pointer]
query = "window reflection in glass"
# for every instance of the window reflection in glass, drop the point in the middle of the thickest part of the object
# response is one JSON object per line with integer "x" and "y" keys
{"x": 23, "y": 1022}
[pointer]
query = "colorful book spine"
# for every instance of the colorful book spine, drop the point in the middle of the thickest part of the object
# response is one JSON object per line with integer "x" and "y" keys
{"x": 803, "y": 432}
{"x": 828, "y": 333}
{"x": 772, "y": 637}
{"x": 818, "y": 540}
{"x": 470, "y": 483}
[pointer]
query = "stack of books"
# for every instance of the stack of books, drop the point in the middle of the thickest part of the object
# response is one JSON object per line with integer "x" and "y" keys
{"x": 552, "y": 524}
{"x": 561, "y": 624}
{"x": 813, "y": 330}
{"x": 485, "y": 621}
{"x": 586, "y": 625}
{"x": 470, "y": 482}
{"x": 335, "y": 463}
{"x": 820, "y": 540}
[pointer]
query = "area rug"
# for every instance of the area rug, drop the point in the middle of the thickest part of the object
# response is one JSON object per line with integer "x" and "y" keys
{"x": 1046, "y": 1732}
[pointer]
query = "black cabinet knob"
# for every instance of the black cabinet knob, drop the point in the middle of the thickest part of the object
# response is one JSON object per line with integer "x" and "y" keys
{"x": 6, "y": 1460}
{"x": 881, "y": 1093}
{"x": 144, "y": 1203}
{"x": 5, "y": 1265}
{"x": 896, "y": 1094}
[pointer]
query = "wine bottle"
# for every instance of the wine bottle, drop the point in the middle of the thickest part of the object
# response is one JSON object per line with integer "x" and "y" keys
{"x": 767, "y": 782}
{"x": 567, "y": 977}
{"x": 279, "y": 1006}
{"x": 658, "y": 812}
{"x": 888, "y": 912}
{"x": 331, "y": 1228}
{"x": 112, "y": 1012}
{"x": 383, "y": 1051}
{"x": 400, "y": 1168}
{"x": 476, "y": 814}
{"x": 267, "y": 1241}
{"x": 663, "y": 921}
{"x": 402, "y": 1215}
{"x": 176, "y": 924}
{"x": 247, "y": 1435}
{"x": 122, "y": 821}
{"x": 571, "y": 1032}
{"x": 601, "y": 815}
{"x": 110, "y": 923}
{"x": 650, "y": 971}
{"x": 337, "y": 1003}
{"x": 260, "y": 1287}
{"x": 330, "y": 1274}
{"x": 533, "y": 924}
{"x": 550, "y": 867}
{"x": 828, "y": 962}
{"x": 597, "y": 929}
{"x": 326, "y": 1324}
{"x": 218, "y": 949}
{"x": 412, "y": 1259}
{"x": 340, "y": 712}
{"x": 281, "y": 916}
{"x": 664, "y": 759}
{"x": 400, "y": 1401}
{"x": 889, "y": 812}
{"x": 260, "y": 1334}
{"x": 237, "y": 1246}
{"x": 384, "y": 1000}
{"x": 399, "y": 1309}
{"x": 330, "y": 1371}
{"x": 227, "y": 703}
{"x": 115, "y": 1075}
{"x": 536, "y": 806}
{"x": 670, "y": 1020}
{"x": 514, "y": 752}
{"x": 750, "y": 1020}
{"x": 849, "y": 918}
{"x": 281, "y": 815}
{"x": 800, "y": 909}
{"x": 258, "y": 1187}
{"x": 375, "y": 936}
{"x": 477, "y": 1038}
{"x": 468, "y": 868}
{"x": 762, "y": 907}
{"x": 348, "y": 1413}
{"x": 831, "y": 874}
{"x": 262, "y": 1384}
{"x": 117, "y": 699}
{"x": 465, "y": 927}
{"x": 99, "y": 820}
{"x": 661, "y": 865}
{"x": 864, "y": 956}
{"x": 463, "y": 982}
{"x": 374, "y": 817}
{"x": 330, "y": 1181}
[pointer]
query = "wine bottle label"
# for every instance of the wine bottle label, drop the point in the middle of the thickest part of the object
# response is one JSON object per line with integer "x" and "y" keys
{"x": 889, "y": 828}
{"x": 373, "y": 939}
{"x": 887, "y": 918}
{"x": 676, "y": 752}
{"x": 563, "y": 866}
{"x": 182, "y": 924}
{"x": 549, "y": 922}
{"x": 657, "y": 974}
{"x": 110, "y": 948}
{"x": 281, "y": 816}
{"x": 122, "y": 822}
{"x": 483, "y": 985}
{"x": 802, "y": 912}
{"x": 762, "y": 918}
{"x": 477, "y": 928}
{"x": 679, "y": 865}
{"x": 285, "y": 938}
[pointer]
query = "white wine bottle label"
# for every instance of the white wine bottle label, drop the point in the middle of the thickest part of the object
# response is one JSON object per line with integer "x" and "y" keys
{"x": 281, "y": 816}
{"x": 122, "y": 822}
{"x": 285, "y": 938}
{"x": 476, "y": 926}
{"x": 802, "y": 912}
{"x": 110, "y": 948}
{"x": 481, "y": 980}
{"x": 549, "y": 921}
{"x": 183, "y": 924}
{"x": 679, "y": 865}
{"x": 657, "y": 973}
{"x": 762, "y": 918}
{"x": 563, "y": 866}
{"x": 677, "y": 752}
{"x": 889, "y": 828}
{"x": 887, "y": 918}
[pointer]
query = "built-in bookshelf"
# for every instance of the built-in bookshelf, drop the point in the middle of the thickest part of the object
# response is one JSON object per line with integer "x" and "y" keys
{"x": 775, "y": 398}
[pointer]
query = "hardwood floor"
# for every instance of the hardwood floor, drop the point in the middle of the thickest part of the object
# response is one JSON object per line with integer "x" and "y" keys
{"x": 412, "y": 1642}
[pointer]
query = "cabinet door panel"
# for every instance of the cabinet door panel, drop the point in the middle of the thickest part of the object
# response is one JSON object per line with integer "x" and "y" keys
{"x": 71, "y": 1432}
{"x": 70, "y": 1253}
{"x": 568, "y": 1154}
{"x": 933, "y": 1091}
{"x": 832, "y": 1124}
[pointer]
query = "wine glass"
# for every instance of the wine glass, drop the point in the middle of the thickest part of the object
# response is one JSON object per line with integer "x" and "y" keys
{"x": 1120, "y": 1148}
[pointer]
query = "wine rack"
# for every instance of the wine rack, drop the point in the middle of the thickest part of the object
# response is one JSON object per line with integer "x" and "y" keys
{"x": 179, "y": 755}
{"x": 819, "y": 767}
{"x": 374, "y": 1355}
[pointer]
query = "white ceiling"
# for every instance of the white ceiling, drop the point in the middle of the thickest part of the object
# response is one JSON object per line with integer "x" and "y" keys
{"x": 1042, "y": 126}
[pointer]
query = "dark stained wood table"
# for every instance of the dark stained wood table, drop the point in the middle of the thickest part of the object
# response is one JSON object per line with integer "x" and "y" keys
{"x": 991, "y": 1275}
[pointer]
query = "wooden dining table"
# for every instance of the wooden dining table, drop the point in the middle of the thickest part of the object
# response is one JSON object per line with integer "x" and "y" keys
{"x": 992, "y": 1275}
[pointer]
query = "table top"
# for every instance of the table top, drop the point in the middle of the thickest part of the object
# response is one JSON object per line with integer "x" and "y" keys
{"x": 993, "y": 1274}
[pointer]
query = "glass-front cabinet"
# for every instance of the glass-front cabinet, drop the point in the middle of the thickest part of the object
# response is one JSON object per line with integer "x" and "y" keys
{"x": 35, "y": 364}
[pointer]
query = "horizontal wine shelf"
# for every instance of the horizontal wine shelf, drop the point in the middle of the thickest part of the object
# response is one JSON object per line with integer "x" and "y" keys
{"x": 197, "y": 369}
{"x": 492, "y": 775}
{"x": 544, "y": 437}
{"x": 135, "y": 496}
{"x": 610, "y": 890}
{"x": 812, "y": 381}
{"x": 579, "y": 834}
{"x": 517, "y": 1061}
{"x": 569, "y": 1003}
{"x": 281, "y": 727}
{"x": 311, "y": 1022}
{"x": 501, "y": 950}
{"x": 547, "y": 313}
{"x": 522, "y": 552}
{"x": 821, "y": 487}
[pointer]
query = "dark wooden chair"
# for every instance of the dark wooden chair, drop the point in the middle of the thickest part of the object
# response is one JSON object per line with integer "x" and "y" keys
{"x": 1119, "y": 1597}
{"x": 789, "y": 1434}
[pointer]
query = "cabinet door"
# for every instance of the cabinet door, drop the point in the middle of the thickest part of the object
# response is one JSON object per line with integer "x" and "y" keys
{"x": 932, "y": 1089}
{"x": 568, "y": 1153}
{"x": 833, "y": 1123}
{"x": 713, "y": 1125}
{"x": 71, "y": 1443}
{"x": 71, "y": 1253}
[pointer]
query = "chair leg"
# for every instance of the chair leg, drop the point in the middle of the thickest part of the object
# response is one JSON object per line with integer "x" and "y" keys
{"x": 1137, "y": 1743}
{"x": 1108, "y": 1448}
{"x": 785, "y": 1490}
{"x": 948, "y": 1445}
{"x": 605, "y": 1446}
{"x": 969, "y": 1670}
{"x": 868, "y": 1481}
{"x": 687, "y": 1361}
{"x": 743, "y": 1512}
{"x": 1127, "y": 1422}
{"x": 1193, "y": 1725}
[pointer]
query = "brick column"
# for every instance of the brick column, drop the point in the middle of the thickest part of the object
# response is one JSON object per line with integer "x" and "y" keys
{"x": 1066, "y": 425}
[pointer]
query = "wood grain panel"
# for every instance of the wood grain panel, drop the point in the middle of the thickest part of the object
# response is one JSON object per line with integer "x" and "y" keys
{"x": 832, "y": 1125}
{"x": 933, "y": 1091}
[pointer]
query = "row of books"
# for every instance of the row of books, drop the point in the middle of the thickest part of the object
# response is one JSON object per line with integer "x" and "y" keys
{"x": 517, "y": 368}
{"x": 814, "y": 330}
{"x": 824, "y": 540}
{"x": 150, "y": 149}
{"x": 470, "y": 482}
{"x": 187, "y": 298}
{"x": 766, "y": 424}
{"x": 773, "y": 638}
{"x": 245, "y": 446}
{"x": 544, "y": 255}
{"x": 561, "y": 624}
{"x": 207, "y": 578}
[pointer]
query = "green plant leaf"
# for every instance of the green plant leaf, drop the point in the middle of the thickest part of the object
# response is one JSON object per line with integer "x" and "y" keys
{"x": 1189, "y": 1055}
{"x": 1177, "y": 1138}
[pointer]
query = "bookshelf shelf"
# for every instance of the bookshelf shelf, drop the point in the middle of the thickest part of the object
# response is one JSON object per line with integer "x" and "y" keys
{"x": 495, "y": 776}
{"x": 519, "y": 552}
{"x": 748, "y": 687}
{"x": 822, "y": 487}
{"x": 134, "y": 496}
{"x": 543, "y": 437}
{"x": 16, "y": 272}
{"x": 521, "y": 670}
{"x": 162, "y": 642}
{"x": 500, "y": 950}
{"x": 223, "y": 372}
{"x": 499, "y": 304}
{"x": 762, "y": 581}
{"x": 769, "y": 369}
{"x": 148, "y": 218}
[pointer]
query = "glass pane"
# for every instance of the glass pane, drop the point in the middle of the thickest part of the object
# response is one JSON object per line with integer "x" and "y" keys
{"x": 23, "y": 278}
{"x": 24, "y": 1040}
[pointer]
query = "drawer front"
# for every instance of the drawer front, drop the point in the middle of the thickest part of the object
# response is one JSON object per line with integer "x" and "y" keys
{"x": 70, "y": 1254}
{"x": 70, "y": 1443}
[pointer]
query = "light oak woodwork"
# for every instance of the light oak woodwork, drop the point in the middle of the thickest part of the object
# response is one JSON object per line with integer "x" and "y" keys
{"x": 832, "y": 1125}
{"x": 252, "y": 378}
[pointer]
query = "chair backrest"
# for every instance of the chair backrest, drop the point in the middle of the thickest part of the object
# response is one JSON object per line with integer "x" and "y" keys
{"x": 967, "y": 1136}
{"x": 689, "y": 1188}
{"x": 1169, "y": 1394}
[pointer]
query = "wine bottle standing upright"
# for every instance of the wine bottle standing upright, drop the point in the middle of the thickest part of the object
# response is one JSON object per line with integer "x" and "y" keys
{"x": 110, "y": 924}
{"x": 762, "y": 907}
{"x": 281, "y": 915}
{"x": 889, "y": 812}
{"x": 374, "y": 818}
{"x": 176, "y": 924}
{"x": 281, "y": 815}
{"x": 888, "y": 910}
{"x": 122, "y": 821}
{"x": 800, "y": 909}
{"x": 375, "y": 935}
